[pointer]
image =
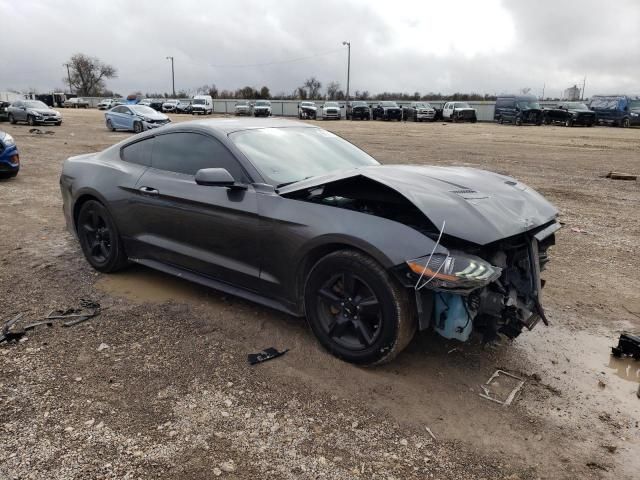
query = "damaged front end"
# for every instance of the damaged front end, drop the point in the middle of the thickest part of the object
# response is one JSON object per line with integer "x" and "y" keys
{"x": 493, "y": 289}
{"x": 491, "y": 243}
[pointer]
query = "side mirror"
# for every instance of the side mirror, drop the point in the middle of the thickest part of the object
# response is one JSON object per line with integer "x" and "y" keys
{"x": 217, "y": 177}
{"x": 341, "y": 106}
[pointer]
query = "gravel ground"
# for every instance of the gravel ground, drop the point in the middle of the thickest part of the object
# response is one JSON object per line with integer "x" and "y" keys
{"x": 157, "y": 385}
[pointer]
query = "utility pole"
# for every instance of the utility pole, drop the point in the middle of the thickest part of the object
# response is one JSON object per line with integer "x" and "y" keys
{"x": 543, "y": 85}
{"x": 173, "y": 78}
{"x": 346, "y": 103}
{"x": 584, "y": 81}
{"x": 68, "y": 76}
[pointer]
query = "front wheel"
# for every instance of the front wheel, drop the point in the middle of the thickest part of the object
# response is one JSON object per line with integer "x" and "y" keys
{"x": 110, "y": 125}
{"x": 12, "y": 120}
{"x": 625, "y": 123}
{"x": 568, "y": 122}
{"x": 137, "y": 127}
{"x": 31, "y": 120}
{"x": 356, "y": 310}
{"x": 99, "y": 238}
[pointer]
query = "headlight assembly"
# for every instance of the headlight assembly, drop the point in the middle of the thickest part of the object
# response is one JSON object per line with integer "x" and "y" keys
{"x": 8, "y": 140}
{"x": 455, "y": 272}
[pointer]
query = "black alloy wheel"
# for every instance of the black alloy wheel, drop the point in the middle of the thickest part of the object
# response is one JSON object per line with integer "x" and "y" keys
{"x": 356, "y": 310}
{"x": 99, "y": 238}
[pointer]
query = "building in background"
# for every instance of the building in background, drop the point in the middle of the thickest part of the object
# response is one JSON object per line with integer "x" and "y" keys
{"x": 572, "y": 93}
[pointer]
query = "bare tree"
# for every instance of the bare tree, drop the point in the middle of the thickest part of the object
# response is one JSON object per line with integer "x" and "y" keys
{"x": 88, "y": 74}
{"x": 332, "y": 90}
{"x": 301, "y": 93}
{"x": 264, "y": 92}
{"x": 313, "y": 86}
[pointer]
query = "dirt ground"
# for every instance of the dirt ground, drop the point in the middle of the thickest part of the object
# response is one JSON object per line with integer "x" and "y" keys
{"x": 158, "y": 385}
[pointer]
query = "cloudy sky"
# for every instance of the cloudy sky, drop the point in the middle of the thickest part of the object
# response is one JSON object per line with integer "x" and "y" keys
{"x": 487, "y": 46}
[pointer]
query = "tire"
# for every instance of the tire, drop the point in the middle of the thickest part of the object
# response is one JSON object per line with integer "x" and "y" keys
{"x": 137, "y": 127}
{"x": 7, "y": 175}
{"x": 387, "y": 320}
{"x": 110, "y": 125}
{"x": 518, "y": 121}
{"x": 547, "y": 121}
{"x": 99, "y": 238}
{"x": 12, "y": 120}
{"x": 501, "y": 121}
{"x": 568, "y": 122}
{"x": 58, "y": 124}
{"x": 625, "y": 123}
{"x": 31, "y": 121}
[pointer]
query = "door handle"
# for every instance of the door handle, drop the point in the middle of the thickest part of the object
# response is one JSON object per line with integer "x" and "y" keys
{"x": 148, "y": 191}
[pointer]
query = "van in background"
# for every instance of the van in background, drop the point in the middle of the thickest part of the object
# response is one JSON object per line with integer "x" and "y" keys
{"x": 618, "y": 110}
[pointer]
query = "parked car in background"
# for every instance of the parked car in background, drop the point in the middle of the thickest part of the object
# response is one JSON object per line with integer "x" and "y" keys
{"x": 518, "y": 109}
{"x": 9, "y": 156}
{"x": 619, "y": 110}
{"x": 202, "y": 105}
{"x": 459, "y": 112}
{"x": 106, "y": 104}
{"x": 145, "y": 101}
{"x": 358, "y": 109}
{"x": 243, "y": 107}
{"x": 137, "y": 118}
{"x": 307, "y": 110}
{"x": 170, "y": 105}
{"x": 419, "y": 111}
{"x": 4, "y": 114}
{"x": 33, "y": 112}
{"x": 155, "y": 103}
{"x": 387, "y": 110}
{"x": 262, "y": 108}
{"x": 330, "y": 110}
{"x": 184, "y": 106}
{"x": 76, "y": 102}
{"x": 570, "y": 114}
{"x": 369, "y": 253}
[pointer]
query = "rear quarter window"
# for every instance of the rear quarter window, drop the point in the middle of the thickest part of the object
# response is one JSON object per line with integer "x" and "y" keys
{"x": 138, "y": 153}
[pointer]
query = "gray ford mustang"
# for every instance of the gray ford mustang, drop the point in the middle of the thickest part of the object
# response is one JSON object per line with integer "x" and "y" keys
{"x": 296, "y": 218}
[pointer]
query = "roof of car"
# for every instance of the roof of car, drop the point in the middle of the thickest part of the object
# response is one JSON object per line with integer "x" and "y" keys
{"x": 228, "y": 125}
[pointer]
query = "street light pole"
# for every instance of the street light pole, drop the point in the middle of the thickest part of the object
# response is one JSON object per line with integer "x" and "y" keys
{"x": 173, "y": 78}
{"x": 346, "y": 104}
{"x": 68, "y": 76}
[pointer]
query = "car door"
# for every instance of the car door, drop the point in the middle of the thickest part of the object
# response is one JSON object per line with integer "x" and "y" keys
{"x": 206, "y": 229}
{"x": 447, "y": 110}
{"x": 20, "y": 112}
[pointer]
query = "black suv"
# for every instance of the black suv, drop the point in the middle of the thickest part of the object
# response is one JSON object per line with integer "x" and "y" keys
{"x": 518, "y": 109}
{"x": 570, "y": 114}
{"x": 358, "y": 109}
{"x": 387, "y": 110}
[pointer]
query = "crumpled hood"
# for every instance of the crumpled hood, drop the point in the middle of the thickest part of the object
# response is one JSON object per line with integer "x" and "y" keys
{"x": 478, "y": 206}
{"x": 43, "y": 110}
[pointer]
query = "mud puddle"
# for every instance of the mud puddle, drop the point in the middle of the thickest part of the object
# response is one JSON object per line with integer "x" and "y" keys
{"x": 141, "y": 285}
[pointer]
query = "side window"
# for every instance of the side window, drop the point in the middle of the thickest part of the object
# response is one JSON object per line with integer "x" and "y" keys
{"x": 139, "y": 152}
{"x": 189, "y": 152}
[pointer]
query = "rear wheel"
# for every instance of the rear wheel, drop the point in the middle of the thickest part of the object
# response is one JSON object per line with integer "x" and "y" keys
{"x": 12, "y": 120}
{"x": 518, "y": 121}
{"x": 356, "y": 310}
{"x": 568, "y": 122}
{"x": 99, "y": 238}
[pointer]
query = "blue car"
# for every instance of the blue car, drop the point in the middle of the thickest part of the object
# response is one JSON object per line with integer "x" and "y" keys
{"x": 134, "y": 117}
{"x": 9, "y": 158}
{"x": 618, "y": 110}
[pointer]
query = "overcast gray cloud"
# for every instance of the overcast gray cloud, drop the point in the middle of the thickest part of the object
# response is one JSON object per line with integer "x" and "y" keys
{"x": 426, "y": 46}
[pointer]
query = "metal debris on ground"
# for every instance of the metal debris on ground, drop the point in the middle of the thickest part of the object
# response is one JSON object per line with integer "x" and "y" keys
{"x": 431, "y": 433}
{"x": 88, "y": 309}
{"x": 266, "y": 354}
{"x": 620, "y": 176}
{"x": 628, "y": 345}
{"x": 7, "y": 335}
{"x": 493, "y": 380}
{"x": 37, "y": 131}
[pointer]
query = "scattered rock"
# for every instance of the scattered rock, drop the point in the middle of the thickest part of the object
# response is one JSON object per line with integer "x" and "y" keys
{"x": 102, "y": 346}
{"x": 228, "y": 466}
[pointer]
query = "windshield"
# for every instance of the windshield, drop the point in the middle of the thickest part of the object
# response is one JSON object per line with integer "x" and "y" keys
{"x": 242, "y": 104}
{"x": 198, "y": 101}
{"x": 576, "y": 106}
{"x": 262, "y": 103}
{"x": 287, "y": 155}
{"x": 35, "y": 104}
{"x": 633, "y": 104}
{"x": 307, "y": 104}
{"x": 359, "y": 104}
{"x": 331, "y": 104}
{"x": 461, "y": 105}
{"x": 527, "y": 104}
{"x": 143, "y": 110}
{"x": 389, "y": 104}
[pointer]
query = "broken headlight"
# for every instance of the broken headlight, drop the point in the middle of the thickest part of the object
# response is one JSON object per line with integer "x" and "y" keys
{"x": 458, "y": 271}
